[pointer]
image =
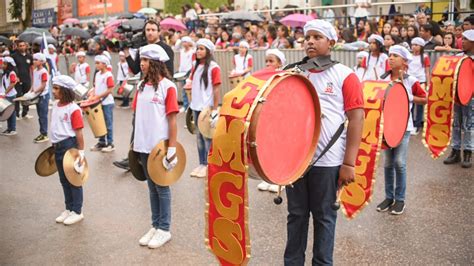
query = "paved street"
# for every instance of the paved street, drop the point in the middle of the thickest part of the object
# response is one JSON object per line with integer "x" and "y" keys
{"x": 436, "y": 227}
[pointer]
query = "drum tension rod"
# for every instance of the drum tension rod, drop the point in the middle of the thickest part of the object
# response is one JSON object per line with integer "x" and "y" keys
{"x": 262, "y": 100}
{"x": 253, "y": 144}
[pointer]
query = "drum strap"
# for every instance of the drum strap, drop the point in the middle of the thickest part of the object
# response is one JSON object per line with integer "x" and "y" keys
{"x": 319, "y": 63}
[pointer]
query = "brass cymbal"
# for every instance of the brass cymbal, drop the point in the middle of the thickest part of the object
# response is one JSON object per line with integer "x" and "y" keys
{"x": 135, "y": 166}
{"x": 190, "y": 121}
{"x": 45, "y": 164}
{"x": 75, "y": 178}
{"x": 157, "y": 172}
{"x": 204, "y": 123}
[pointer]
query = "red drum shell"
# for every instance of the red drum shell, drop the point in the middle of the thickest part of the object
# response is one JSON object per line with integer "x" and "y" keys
{"x": 465, "y": 80}
{"x": 396, "y": 112}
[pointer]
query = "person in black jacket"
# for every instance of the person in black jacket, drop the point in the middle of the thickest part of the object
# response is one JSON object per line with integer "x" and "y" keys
{"x": 24, "y": 64}
{"x": 152, "y": 35}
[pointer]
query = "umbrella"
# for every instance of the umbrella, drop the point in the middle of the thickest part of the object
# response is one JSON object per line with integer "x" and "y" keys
{"x": 114, "y": 23}
{"x": 29, "y": 36}
{"x": 139, "y": 15}
{"x": 295, "y": 20}
{"x": 135, "y": 24}
{"x": 147, "y": 10}
{"x": 126, "y": 16}
{"x": 171, "y": 23}
{"x": 76, "y": 32}
{"x": 5, "y": 40}
{"x": 49, "y": 40}
{"x": 38, "y": 30}
{"x": 242, "y": 15}
{"x": 71, "y": 21}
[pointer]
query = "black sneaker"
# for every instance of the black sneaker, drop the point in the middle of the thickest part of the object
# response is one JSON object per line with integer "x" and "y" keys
{"x": 385, "y": 205}
{"x": 9, "y": 133}
{"x": 41, "y": 138}
{"x": 397, "y": 208}
{"x": 123, "y": 164}
{"x": 98, "y": 147}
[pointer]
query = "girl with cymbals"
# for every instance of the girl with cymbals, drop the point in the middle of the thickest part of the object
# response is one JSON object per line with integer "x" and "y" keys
{"x": 156, "y": 106}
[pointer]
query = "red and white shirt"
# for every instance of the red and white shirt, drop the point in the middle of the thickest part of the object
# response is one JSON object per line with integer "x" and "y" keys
{"x": 80, "y": 73}
{"x": 186, "y": 60}
{"x": 202, "y": 97}
{"x": 151, "y": 110}
{"x": 413, "y": 88}
{"x": 339, "y": 90}
{"x": 64, "y": 120}
{"x": 122, "y": 71}
{"x": 416, "y": 69}
{"x": 102, "y": 83}
{"x": 242, "y": 62}
{"x": 40, "y": 76}
{"x": 6, "y": 81}
{"x": 375, "y": 66}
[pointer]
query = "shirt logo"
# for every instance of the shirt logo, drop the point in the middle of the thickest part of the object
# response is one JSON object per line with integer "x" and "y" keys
{"x": 65, "y": 118}
{"x": 156, "y": 99}
{"x": 329, "y": 90}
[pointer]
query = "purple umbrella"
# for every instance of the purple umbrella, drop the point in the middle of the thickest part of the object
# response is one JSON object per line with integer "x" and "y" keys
{"x": 295, "y": 20}
{"x": 171, "y": 23}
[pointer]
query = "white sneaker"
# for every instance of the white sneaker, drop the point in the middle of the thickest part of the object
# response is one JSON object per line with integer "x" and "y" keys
{"x": 108, "y": 148}
{"x": 263, "y": 186}
{"x": 73, "y": 218}
{"x": 202, "y": 172}
{"x": 195, "y": 172}
{"x": 159, "y": 239}
{"x": 147, "y": 237}
{"x": 63, "y": 216}
{"x": 28, "y": 116}
{"x": 274, "y": 188}
{"x": 182, "y": 110}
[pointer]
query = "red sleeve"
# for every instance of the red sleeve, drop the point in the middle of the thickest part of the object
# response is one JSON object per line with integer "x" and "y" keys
{"x": 417, "y": 90}
{"x": 12, "y": 77}
{"x": 44, "y": 77}
{"x": 193, "y": 57}
{"x": 250, "y": 62}
{"x": 216, "y": 76}
{"x": 134, "y": 103}
{"x": 387, "y": 66}
{"x": 192, "y": 73}
{"x": 88, "y": 70}
{"x": 110, "y": 82}
{"x": 364, "y": 62}
{"x": 171, "y": 101}
{"x": 427, "y": 61}
{"x": 352, "y": 93}
{"x": 76, "y": 120}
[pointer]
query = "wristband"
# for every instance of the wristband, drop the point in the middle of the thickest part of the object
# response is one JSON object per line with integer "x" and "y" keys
{"x": 349, "y": 165}
{"x": 81, "y": 153}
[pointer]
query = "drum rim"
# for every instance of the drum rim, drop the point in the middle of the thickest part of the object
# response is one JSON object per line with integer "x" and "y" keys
{"x": 252, "y": 150}
{"x": 8, "y": 111}
{"x": 190, "y": 121}
{"x": 387, "y": 94}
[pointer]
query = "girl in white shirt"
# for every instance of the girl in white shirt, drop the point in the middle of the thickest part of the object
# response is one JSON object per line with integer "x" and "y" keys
{"x": 243, "y": 61}
{"x": 156, "y": 106}
{"x": 9, "y": 80}
{"x": 206, "y": 83}
{"x": 122, "y": 75}
{"x": 375, "y": 63}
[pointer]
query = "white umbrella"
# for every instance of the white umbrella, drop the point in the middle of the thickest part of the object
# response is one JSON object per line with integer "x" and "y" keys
{"x": 148, "y": 11}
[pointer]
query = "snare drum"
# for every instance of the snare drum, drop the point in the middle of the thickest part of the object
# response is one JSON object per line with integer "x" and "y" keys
{"x": 133, "y": 80}
{"x": 180, "y": 76}
{"x": 235, "y": 80}
{"x": 29, "y": 98}
{"x": 6, "y": 109}
{"x": 280, "y": 136}
{"x": 95, "y": 117}
{"x": 80, "y": 92}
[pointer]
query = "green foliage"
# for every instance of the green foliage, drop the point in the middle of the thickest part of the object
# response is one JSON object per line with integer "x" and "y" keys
{"x": 174, "y": 6}
{"x": 16, "y": 9}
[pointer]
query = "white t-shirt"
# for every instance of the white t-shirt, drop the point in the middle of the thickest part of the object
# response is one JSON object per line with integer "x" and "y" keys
{"x": 6, "y": 81}
{"x": 191, "y": 14}
{"x": 151, "y": 110}
{"x": 416, "y": 69}
{"x": 38, "y": 77}
{"x": 186, "y": 60}
{"x": 64, "y": 120}
{"x": 54, "y": 59}
{"x": 80, "y": 73}
{"x": 201, "y": 96}
{"x": 361, "y": 12}
{"x": 102, "y": 83}
{"x": 339, "y": 90}
{"x": 122, "y": 71}
{"x": 376, "y": 66}
{"x": 242, "y": 62}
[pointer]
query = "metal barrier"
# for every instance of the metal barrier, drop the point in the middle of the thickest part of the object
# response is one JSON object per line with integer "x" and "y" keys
{"x": 224, "y": 60}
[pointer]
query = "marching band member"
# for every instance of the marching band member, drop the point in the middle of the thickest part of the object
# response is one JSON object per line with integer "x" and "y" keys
{"x": 103, "y": 86}
{"x": 463, "y": 121}
{"x": 9, "y": 80}
{"x": 81, "y": 70}
{"x": 187, "y": 57}
{"x": 242, "y": 61}
{"x": 122, "y": 75}
{"x": 206, "y": 83}
{"x": 395, "y": 158}
{"x": 41, "y": 87}
{"x": 419, "y": 68}
{"x": 274, "y": 60}
{"x": 341, "y": 98}
{"x": 66, "y": 133}
{"x": 358, "y": 69}
{"x": 156, "y": 106}
{"x": 375, "y": 63}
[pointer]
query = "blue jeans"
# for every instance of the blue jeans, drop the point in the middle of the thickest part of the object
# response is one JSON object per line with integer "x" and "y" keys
{"x": 185, "y": 96}
{"x": 463, "y": 121}
{"x": 42, "y": 110}
{"x": 11, "y": 121}
{"x": 418, "y": 113}
{"x": 160, "y": 199}
{"x": 395, "y": 169}
{"x": 203, "y": 143}
{"x": 313, "y": 194}
{"x": 109, "y": 123}
{"x": 73, "y": 197}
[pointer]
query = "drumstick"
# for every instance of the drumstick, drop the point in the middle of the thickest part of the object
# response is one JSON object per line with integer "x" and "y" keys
{"x": 337, "y": 204}
{"x": 278, "y": 199}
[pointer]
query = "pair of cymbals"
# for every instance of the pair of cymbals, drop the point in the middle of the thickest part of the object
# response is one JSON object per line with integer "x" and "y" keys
{"x": 157, "y": 172}
{"x": 75, "y": 178}
{"x": 45, "y": 164}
